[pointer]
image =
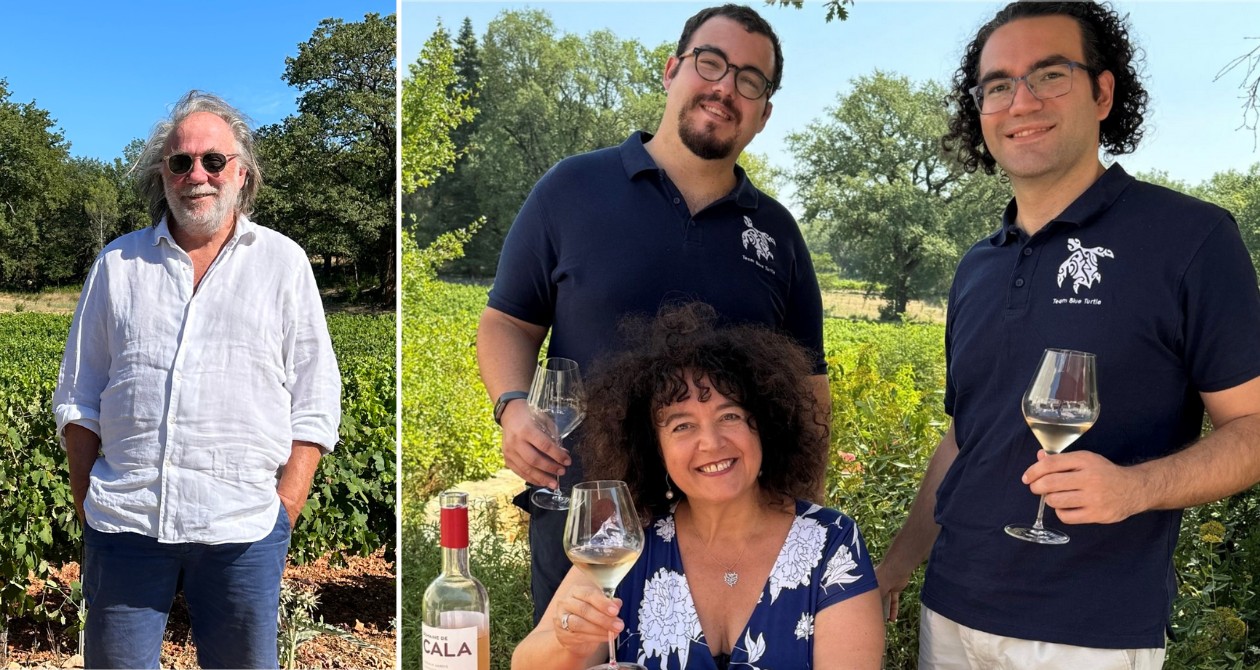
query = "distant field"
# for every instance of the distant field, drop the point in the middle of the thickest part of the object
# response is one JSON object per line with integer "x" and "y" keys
{"x": 63, "y": 301}
{"x": 56, "y": 301}
{"x": 838, "y": 304}
{"x": 855, "y": 304}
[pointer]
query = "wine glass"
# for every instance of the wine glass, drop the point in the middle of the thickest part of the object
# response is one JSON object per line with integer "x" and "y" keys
{"x": 557, "y": 405}
{"x": 1061, "y": 403}
{"x": 603, "y": 538}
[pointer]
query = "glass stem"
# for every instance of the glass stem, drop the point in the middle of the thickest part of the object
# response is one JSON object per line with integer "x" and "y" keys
{"x": 612, "y": 646}
{"x": 1040, "y": 510}
{"x": 556, "y": 491}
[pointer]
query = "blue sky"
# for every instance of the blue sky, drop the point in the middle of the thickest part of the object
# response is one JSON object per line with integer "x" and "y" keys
{"x": 1193, "y": 131}
{"x": 107, "y": 71}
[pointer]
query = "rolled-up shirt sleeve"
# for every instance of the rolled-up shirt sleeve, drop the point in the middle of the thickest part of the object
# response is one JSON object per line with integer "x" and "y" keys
{"x": 311, "y": 374}
{"x": 85, "y": 365}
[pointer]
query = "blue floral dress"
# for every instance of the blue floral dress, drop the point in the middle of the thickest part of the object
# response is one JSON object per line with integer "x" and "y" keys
{"x": 823, "y": 561}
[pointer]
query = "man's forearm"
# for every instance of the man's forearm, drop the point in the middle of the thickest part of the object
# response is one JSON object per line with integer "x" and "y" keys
{"x": 296, "y": 477}
{"x": 507, "y": 352}
{"x": 913, "y": 542}
{"x": 1219, "y": 465}
{"x": 82, "y": 447}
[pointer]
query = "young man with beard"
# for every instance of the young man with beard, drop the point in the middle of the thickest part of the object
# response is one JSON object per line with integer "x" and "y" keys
{"x": 623, "y": 230}
{"x": 1156, "y": 284}
{"x": 197, "y": 393}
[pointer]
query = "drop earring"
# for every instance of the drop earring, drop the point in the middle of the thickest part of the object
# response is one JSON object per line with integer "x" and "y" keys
{"x": 669, "y": 490}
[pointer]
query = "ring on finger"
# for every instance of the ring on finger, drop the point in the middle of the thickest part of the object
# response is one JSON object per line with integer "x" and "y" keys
{"x": 564, "y": 620}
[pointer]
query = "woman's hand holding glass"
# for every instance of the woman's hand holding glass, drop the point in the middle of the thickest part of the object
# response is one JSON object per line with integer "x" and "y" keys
{"x": 584, "y": 619}
{"x": 603, "y": 538}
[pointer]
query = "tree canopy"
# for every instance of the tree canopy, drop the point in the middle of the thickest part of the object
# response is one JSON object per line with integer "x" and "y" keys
{"x": 329, "y": 169}
{"x": 878, "y": 192}
{"x": 540, "y": 96}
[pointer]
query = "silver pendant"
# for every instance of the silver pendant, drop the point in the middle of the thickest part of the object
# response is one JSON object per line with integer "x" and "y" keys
{"x": 730, "y": 578}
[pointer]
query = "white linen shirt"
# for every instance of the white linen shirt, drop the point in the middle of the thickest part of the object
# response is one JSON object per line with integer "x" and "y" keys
{"x": 197, "y": 397}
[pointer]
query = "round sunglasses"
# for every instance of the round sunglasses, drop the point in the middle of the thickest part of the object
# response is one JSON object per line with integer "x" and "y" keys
{"x": 212, "y": 163}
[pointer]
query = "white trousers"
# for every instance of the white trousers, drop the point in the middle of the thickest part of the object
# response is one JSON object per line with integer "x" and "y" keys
{"x": 947, "y": 645}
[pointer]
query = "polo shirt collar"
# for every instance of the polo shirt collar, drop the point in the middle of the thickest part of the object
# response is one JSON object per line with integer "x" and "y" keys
{"x": 1091, "y": 204}
{"x": 636, "y": 160}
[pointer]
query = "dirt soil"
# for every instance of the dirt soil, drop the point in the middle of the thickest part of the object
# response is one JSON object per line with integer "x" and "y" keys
{"x": 358, "y": 598}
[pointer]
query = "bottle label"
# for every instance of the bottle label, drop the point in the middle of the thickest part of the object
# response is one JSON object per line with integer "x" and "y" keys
{"x": 453, "y": 649}
{"x": 455, "y": 527}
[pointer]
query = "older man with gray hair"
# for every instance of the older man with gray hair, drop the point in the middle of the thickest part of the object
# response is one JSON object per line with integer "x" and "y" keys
{"x": 197, "y": 393}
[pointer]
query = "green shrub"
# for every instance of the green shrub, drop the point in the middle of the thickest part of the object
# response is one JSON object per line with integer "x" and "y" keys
{"x": 448, "y": 434}
{"x": 1216, "y": 615}
{"x": 351, "y": 509}
{"x": 37, "y": 518}
{"x": 887, "y": 418}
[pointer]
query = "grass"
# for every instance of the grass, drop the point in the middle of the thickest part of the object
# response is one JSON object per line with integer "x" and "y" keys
{"x": 853, "y": 304}
{"x": 52, "y": 300}
{"x": 62, "y": 300}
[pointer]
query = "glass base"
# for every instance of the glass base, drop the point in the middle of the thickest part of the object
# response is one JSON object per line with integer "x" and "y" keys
{"x": 549, "y": 499}
{"x": 1038, "y": 535}
{"x": 620, "y": 666}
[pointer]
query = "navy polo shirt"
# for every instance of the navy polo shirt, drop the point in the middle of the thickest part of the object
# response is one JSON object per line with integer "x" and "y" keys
{"x": 606, "y": 234}
{"x": 1160, "y": 287}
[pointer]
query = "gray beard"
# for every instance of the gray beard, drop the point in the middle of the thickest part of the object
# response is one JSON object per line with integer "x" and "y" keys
{"x": 201, "y": 225}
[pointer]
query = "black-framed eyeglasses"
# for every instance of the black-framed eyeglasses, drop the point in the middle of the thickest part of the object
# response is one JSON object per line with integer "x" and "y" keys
{"x": 212, "y": 162}
{"x": 1045, "y": 82}
{"x": 711, "y": 65}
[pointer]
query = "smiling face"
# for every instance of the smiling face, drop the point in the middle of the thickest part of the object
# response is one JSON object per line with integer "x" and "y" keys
{"x": 201, "y": 203}
{"x": 711, "y": 118}
{"x": 1053, "y": 139}
{"x": 709, "y": 447}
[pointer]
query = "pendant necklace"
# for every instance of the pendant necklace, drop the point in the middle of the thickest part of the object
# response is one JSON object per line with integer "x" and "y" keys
{"x": 731, "y": 577}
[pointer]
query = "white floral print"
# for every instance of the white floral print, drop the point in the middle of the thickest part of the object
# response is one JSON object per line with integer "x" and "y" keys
{"x": 667, "y": 617}
{"x": 802, "y": 551}
{"x": 805, "y": 627}
{"x": 822, "y": 561}
{"x": 665, "y": 528}
{"x": 840, "y": 569}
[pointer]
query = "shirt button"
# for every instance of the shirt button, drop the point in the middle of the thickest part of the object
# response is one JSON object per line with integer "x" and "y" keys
{"x": 676, "y": 201}
{"x": 1019, "y": 282}
{"x": 1027, "y": 251}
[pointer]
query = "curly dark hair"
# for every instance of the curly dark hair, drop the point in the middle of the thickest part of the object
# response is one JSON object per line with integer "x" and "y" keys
{"x": 764, "y": 372}
{"x": 744, "y": 16}
{"x": 1107, "y": 48}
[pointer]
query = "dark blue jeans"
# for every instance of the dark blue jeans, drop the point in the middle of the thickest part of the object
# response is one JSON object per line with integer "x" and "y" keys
{"x": 232, "y": 590}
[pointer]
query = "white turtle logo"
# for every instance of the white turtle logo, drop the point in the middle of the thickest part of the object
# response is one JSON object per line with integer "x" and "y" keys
{"x": 1082, "y": 265}
{"x": 758, "y": 240}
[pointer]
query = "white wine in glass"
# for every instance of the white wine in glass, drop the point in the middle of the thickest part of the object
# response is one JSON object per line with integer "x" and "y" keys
{"x": 603, "y": 538}
{"x": 1061, "y": 403}
{"x": 557, "y": 405}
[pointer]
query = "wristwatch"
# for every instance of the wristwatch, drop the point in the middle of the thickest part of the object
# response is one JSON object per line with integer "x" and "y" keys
{"x": 501, "y": 403}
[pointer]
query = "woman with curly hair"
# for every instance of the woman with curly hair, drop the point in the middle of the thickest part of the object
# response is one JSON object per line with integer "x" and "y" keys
{"x": 714, "y": 431}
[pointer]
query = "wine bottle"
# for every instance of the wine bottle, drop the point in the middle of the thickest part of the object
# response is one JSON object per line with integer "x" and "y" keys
{"x": 456, "y": 616}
